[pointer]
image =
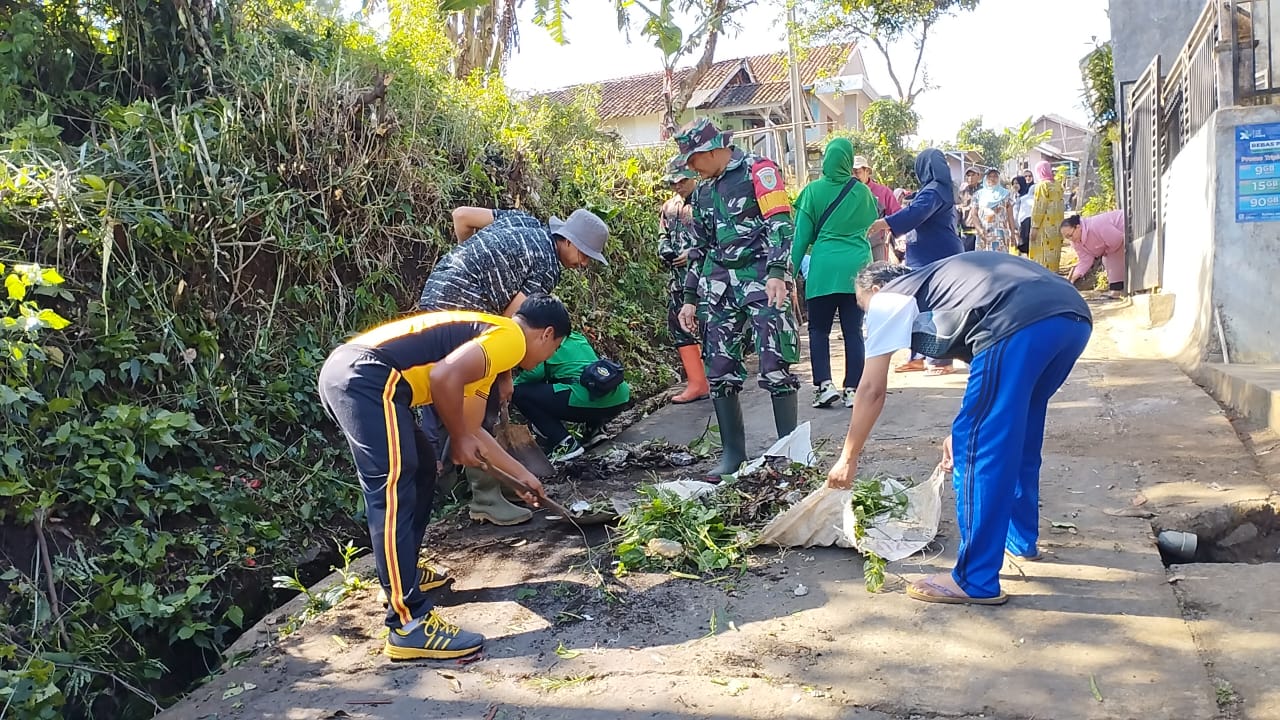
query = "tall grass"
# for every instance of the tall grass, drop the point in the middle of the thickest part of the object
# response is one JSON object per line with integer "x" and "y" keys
{"x": 168, "y": 446}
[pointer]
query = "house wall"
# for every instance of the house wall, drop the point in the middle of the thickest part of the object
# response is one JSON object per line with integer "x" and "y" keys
{"x": 1210, "y": 260}
{"x": 957, "y": 172}
{"x": 855, "y": 65}
{"x": 1070, "y": 140}
{"x": 638, "y": 130}
{"x": 1142, "y": 29}
{"x": 646, "y": 130}
{"x": 1188, "y": 189}
{"x": 855, "y": 104}
{"x": 1245, "y": 259}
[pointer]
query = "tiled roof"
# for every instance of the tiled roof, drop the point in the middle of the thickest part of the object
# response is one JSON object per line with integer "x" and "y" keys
{"x": 818, "y": 62}
{"x": 753, "y": 94}
{"x": 642, "y": 94}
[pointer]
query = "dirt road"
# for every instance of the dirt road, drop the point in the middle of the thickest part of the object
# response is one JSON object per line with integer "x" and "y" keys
{"x": 1097, "y": 630}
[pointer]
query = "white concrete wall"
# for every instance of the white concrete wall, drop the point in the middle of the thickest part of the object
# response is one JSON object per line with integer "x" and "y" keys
{"x": 1189, "y": 193}
{"x": 639, "y": 130}
{"x": 1246, "y": 261}
{"x": 1210, "y": 260}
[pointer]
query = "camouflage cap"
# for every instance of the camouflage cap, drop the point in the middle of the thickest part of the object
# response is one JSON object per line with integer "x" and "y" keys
{"x": 677, "y": 170}
{"x": 701, "y": 135}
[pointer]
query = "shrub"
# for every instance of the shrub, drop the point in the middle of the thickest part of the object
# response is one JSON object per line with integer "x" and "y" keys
{"x": 193, "y": 249}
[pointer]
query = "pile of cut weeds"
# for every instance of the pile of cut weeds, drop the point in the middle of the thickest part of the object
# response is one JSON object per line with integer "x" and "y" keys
{"x": 709, "y": 532}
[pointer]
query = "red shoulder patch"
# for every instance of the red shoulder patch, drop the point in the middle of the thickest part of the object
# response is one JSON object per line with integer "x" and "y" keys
{"x": 771, "y": 193}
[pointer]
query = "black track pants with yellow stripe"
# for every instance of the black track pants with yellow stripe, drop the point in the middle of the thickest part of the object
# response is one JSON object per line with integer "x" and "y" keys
{"x": 370, "y": 401}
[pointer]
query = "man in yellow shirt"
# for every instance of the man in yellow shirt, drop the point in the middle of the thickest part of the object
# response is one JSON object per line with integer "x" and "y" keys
{"x": 448, "y": 360}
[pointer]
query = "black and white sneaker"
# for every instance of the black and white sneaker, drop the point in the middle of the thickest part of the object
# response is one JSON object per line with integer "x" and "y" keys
{"x": 568, "y": 449}
{"x": 825, "y": 395}
{"x": 848, "y": 397}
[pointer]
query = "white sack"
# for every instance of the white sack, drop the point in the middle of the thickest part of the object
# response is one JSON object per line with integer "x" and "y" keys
{"x": 825, "y": 518}
{"x": 898, "y": 538}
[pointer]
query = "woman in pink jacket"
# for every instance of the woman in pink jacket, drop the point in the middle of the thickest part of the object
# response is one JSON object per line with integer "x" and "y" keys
{"x": 1100, "y": 236}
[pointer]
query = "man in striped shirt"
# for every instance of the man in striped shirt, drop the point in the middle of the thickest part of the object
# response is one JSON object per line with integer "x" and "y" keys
{"x": 507, "y": 255}
{"x": 503, "y": 257}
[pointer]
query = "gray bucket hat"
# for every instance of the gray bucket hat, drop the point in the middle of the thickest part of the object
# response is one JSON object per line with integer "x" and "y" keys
{"x": 585, "y": 230}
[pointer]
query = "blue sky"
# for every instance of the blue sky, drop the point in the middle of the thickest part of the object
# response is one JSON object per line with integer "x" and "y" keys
{"x": 1006, "y": 60}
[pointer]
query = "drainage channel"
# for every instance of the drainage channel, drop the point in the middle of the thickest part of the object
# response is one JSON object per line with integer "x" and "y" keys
{"x": 1244, "y": 533}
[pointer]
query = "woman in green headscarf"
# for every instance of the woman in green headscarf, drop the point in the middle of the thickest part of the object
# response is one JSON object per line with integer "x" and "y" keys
{"x": 832, "y": 215}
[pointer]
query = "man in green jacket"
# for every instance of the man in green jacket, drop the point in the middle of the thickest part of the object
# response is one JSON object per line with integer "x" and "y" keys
{"x": 553, "y": 393}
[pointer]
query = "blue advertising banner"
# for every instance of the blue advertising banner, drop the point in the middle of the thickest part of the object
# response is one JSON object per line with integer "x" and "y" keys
{"x": 1258, "y": 173}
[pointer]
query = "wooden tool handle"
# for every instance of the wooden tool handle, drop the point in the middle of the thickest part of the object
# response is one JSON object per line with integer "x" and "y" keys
{"x": 520, "y": 487}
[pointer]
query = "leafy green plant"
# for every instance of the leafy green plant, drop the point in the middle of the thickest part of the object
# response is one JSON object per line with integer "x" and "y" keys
{"x": 707, "y": 543}
{"x": 874, "y": 501}
{"x": 319, "y": 601}
{"x": 217, "y": 227}
{"x": 887, "y": 125}
{"x": 1098, "y": 73}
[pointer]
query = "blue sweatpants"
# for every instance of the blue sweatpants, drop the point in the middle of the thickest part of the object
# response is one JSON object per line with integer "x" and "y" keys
{"x": 996, "y": 442}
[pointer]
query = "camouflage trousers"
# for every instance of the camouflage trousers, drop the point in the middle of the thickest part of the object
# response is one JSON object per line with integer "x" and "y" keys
{"x": 733, "y": 307}
{"x": 675, "y": 300}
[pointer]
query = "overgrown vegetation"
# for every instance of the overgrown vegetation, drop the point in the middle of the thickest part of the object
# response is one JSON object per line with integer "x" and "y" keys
{"x": 230, "y": 189}
{"x": 1098, "y": 70}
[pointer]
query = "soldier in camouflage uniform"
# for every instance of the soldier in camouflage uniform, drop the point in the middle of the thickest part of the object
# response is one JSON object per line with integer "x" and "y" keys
{"x": 675, "y": 239}
{"x": 738, "y": 272}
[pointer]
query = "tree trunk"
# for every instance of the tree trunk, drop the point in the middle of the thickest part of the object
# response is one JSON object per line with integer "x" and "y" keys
{"x": 482, "y": 37}
{"x": 677, "y": 98}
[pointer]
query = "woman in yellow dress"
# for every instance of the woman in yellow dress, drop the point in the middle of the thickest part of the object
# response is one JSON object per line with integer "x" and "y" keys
{"x": 1046, "y": 217}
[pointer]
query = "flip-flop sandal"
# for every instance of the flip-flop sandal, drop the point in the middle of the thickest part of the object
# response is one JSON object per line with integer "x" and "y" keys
{"x": 946, "y": 596}
{"x": 700, "y": 398}
{"x": 1030, "y": 558}
{"x": 939, "y": 371}
{"x": 909, "y": 367}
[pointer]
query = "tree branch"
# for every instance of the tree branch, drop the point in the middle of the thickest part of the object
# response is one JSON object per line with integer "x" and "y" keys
{"x": 888, "y": 61}
{"x": 55, "y": 609}
{"x": 915, "y": 72}
{"x": 681, "y": 95}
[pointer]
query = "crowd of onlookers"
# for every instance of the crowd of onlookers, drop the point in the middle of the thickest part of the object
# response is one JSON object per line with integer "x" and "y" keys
{"x": 1025, "y": 217}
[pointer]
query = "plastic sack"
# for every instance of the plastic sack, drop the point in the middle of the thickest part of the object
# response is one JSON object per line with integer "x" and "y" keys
{"x": 818, "y": 520}
{"x": 825, "y": 518}
{"x": 898, "y": 538}
{"x": 796, "y": 447}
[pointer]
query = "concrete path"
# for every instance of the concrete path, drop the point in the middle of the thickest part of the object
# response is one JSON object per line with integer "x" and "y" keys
{"x": 1094, "y": 631}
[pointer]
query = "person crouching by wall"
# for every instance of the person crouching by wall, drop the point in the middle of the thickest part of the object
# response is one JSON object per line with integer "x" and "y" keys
{"x": 1100, "y": 236}
{"x": 573, "y": 385}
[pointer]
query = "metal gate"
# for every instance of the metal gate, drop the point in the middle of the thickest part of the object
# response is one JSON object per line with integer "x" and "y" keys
{"x": 1143, "y": 168}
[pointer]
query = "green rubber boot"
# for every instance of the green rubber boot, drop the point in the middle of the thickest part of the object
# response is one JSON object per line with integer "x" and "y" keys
{"x": 488, "y": 503}
{"x": 785, "y": 411}
{"x": 733, "y": 437}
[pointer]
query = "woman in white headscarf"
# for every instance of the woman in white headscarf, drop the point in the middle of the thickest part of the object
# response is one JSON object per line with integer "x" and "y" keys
{"x": 996, "y": 228}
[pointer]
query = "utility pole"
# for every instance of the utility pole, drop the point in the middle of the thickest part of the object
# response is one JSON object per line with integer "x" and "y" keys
{"x": 799, "y": 151}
